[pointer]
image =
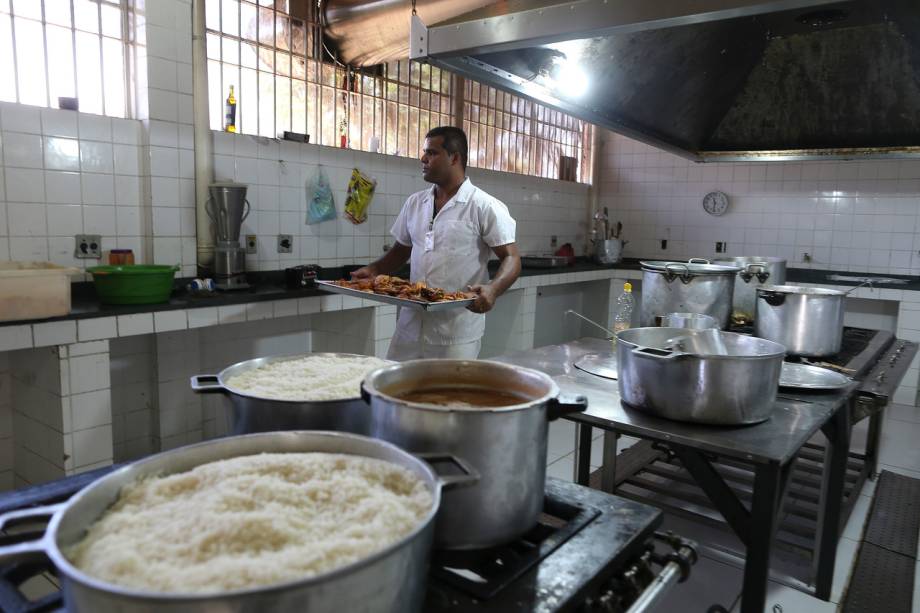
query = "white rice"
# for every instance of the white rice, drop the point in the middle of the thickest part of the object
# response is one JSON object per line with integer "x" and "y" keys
{"x": 251, "y": 521}
{"x": 310, "y": 378}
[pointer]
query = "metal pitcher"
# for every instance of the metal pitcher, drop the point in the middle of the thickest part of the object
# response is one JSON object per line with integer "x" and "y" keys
{"x": 227, "y": 207}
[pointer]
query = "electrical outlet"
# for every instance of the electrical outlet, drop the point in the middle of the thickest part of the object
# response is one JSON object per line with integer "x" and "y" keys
{"x": 664, "y": 244}
{"x": 721, "y": 246}
{"x": 553, "y": 241}
{"x": 285, "y": 243}
{"x": 87, "y": 246}
{"x": 252, "y": 244}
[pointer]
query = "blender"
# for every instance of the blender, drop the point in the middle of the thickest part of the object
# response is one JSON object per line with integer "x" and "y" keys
{"x": 227, "y": 207}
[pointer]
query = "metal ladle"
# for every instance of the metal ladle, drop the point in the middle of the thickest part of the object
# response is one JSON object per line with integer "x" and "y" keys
{"x": 593, "y": 323}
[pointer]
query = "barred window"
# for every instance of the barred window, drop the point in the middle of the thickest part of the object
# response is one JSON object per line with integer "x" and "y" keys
{"x": 283, "y": 81}
{"x": 51, "y": 49}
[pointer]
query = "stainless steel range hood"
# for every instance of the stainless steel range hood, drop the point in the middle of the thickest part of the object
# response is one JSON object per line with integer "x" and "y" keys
{"x": 710, "y": 80}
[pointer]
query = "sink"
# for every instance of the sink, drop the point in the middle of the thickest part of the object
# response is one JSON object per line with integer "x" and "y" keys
{"x": 870, "y": 280}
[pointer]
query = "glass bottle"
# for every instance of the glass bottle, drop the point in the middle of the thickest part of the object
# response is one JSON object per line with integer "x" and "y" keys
{"x": 622, "y": 318}
{"x": 230, "y": 112}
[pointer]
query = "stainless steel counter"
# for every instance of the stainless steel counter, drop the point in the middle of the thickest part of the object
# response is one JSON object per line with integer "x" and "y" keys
{"x": 795, "y": 419}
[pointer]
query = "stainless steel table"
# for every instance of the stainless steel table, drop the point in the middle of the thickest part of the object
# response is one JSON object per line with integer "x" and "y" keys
{"x": 770, "y": 447}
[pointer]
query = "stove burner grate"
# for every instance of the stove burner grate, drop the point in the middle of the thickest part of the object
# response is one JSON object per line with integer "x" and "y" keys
{"x": 482, "y": 573}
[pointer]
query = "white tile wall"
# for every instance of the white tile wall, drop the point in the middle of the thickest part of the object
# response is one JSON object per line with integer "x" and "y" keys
{"x": 59, "y": 172}
{"x": 847, "y": 215}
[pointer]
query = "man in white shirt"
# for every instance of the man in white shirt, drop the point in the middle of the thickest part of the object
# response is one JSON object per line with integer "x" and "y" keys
{"x": 449, "y": 232}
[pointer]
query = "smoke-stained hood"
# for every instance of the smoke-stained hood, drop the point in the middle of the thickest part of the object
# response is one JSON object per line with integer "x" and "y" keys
{"x": 711, "y": 80}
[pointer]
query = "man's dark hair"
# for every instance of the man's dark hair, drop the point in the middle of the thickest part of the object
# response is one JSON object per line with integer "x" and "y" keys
{"x": 454, "y": 141}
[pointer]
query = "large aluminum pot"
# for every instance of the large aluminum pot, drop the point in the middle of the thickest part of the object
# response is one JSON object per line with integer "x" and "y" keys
{"x": 391, "y": 580}
{"x": 807, "y": 320}
{"x": 506, "y": 445}
{"x": 253, "y": 413}
{"x": 756, "y": 271}
{"x": 737, "y": 387}
{"x": 696, "y": 321}
{"x": 686, "y": 287}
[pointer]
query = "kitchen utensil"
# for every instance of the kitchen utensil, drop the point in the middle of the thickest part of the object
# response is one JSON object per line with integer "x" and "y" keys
{"x": 329, "y": 286}
{"x": 592, "y": 322}
{"x": 808, "y": 321}
{"x": 694, "y": 321}
{"x": 391, "y": 581}
{"x": 804, "y": 376}
{"x": 733, "y": 389}
{"x": 618, "y": 230}
{"x": 228, "y": 207}
{"x": 608, "y": 251}
{"x": 251, "y": 412}
{"x": 756, "y": 271}
{"x": 34, "y": 290}
{"x": 601, "y": 365}
{"x": 506, "y": 445}
{"x": 137, "y": 284}
{"x": 687, "y": 287}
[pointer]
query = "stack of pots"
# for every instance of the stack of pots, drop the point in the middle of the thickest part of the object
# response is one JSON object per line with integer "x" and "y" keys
{"x": 696, "y": 286}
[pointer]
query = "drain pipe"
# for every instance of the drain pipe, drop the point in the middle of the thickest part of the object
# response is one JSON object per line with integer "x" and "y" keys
{"x": 204, "y": 161}
{"x": 594, "y": 190}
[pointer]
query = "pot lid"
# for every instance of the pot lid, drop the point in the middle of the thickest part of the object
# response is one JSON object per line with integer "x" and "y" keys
{"x": 796, "y": 289}
{"x": 745, "y": 260}
{"x": 701, "y": 267}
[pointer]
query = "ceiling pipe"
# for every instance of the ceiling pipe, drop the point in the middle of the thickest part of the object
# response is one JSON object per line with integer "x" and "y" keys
{"x": 204, "y": 161}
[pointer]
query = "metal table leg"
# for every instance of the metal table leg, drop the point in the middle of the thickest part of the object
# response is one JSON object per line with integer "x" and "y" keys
{"x": 769, "y": 483}
{"x": 609, "y": 463}
{"x": 836, "y": 454}
{"x": 582, "y": 453}
{"x": 874, "y": 441}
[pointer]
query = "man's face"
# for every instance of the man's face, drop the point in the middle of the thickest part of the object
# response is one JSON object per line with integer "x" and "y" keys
{"x": 436, "y": 161}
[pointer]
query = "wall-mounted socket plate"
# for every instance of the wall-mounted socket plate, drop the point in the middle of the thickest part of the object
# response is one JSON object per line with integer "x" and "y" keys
{"x": 285, "y": 243}
{"x": 252, "y": 244}
{"x": 87, "y": 246}
{"x": 721, "y": 246}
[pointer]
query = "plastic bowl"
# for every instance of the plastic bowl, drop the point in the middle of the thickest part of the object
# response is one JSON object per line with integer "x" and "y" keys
{"x": 133, "y": 284}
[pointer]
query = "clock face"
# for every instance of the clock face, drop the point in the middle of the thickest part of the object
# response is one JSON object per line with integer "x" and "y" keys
{"x": 715, "y": 203}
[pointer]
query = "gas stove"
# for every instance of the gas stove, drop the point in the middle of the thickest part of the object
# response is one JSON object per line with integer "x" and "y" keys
{"x": 590, "y": 551}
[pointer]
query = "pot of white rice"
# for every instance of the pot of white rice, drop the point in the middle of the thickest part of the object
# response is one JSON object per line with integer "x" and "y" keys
{"x": 282, "y": 521}
{"x": 315, "y": 391}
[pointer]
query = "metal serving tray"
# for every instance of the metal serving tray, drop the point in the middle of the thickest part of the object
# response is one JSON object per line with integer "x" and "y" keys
{"x": 807, "y": 377}
{"x": 330, "y": 286}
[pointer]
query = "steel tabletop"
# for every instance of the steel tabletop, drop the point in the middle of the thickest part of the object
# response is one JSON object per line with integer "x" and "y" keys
{"x": 796, "y": 418}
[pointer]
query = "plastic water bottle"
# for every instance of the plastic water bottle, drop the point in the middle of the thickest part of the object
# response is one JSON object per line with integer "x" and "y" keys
{"x": 622, "y": 318}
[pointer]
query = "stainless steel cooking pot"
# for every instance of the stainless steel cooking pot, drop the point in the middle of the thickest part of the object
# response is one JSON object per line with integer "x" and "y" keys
{"x": 253, "y": 413}
{"x": 391, "y": 580}
{"x": 696, "y": 321}
{"x": 736, "y": 388}
{"x": 756, "y": 271}
{"x": 807, "y": 320}
{"x": 686, "y": 287}
{"x": 506, "y": 445}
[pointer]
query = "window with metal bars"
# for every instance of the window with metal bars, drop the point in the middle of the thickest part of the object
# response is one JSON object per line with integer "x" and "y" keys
{"x": 52, "y": 49}
{"x": 283, "y": 81}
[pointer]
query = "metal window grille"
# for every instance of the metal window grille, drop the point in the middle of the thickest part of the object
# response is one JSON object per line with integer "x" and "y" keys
{"x": 282, "y": 81}
{"x": 513, "y": 134}
{"x": 65, "y": 48}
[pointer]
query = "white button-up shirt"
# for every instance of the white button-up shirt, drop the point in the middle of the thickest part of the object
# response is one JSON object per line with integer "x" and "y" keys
{"x": 463, "y": 234}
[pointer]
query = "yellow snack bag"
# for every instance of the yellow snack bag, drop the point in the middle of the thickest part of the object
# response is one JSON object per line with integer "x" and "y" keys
{"x": 360, "y": 193}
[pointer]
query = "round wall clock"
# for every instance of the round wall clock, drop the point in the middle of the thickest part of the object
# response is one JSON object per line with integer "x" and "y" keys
{"x": 715, "y": 203}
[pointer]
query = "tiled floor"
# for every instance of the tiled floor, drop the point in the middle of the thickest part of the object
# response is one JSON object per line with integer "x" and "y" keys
{"x": 717, "y": 581}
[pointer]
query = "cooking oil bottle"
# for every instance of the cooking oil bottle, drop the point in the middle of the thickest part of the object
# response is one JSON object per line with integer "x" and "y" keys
{"x": 230, "y": 112}
{"x": 622, "y": 318}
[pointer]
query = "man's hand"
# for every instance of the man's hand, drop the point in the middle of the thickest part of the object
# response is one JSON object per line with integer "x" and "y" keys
{"x": 365, "y": 272}
{"x": 485, "y": 298}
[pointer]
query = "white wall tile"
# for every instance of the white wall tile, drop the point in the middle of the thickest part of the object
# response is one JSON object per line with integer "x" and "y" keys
{"x": 91, "y": 410}
{"x": 138, "y": 323}
{"x": 62, "y": 187}
{"x": 21, "y": 118}
{"x": 96, "y": 328}
{"x": 99, "y": 219}
{"x": 98, "y": 188}
{"x": 59, "y": 123}
{"x": 27, "y": 219}
{"x": 96, "y": 157}
{"x": 200, "y": 318}
{"x": 92, "y": 446}
{"x": 88, "y": 348}
{"x": 166, "y": 321}
{"x": 15, "y": 337}
{"x": 95, "y": 127}
{"x": 89, "y": 373}
{"x": 24, "y": 185}
{"x": 54, "y": 333}
{"x": 22, "y": 150}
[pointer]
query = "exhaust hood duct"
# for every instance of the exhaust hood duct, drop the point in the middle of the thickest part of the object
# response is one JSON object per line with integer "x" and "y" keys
{"x": 710, "y": 80}
{"x": 373, "y": 32}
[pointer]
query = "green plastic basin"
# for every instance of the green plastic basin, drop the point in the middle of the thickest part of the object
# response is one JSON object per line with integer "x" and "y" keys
{"x": 133, "y": 284}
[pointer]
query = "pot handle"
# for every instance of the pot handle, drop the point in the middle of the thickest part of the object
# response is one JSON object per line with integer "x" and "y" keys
{"x": 698, "y": 261}
{"x": 565, "y": 405}
{"x": 684, "y": 276}
{"x": 206, "y": 384}
{"x": 469, "y": 477}
{"x": 29, "y": 549}
{"x": 755, "y": 268}
{"x": 657, "y": 354}
{"x": 771, "y": 298}
{"x": 365, "y": 395}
